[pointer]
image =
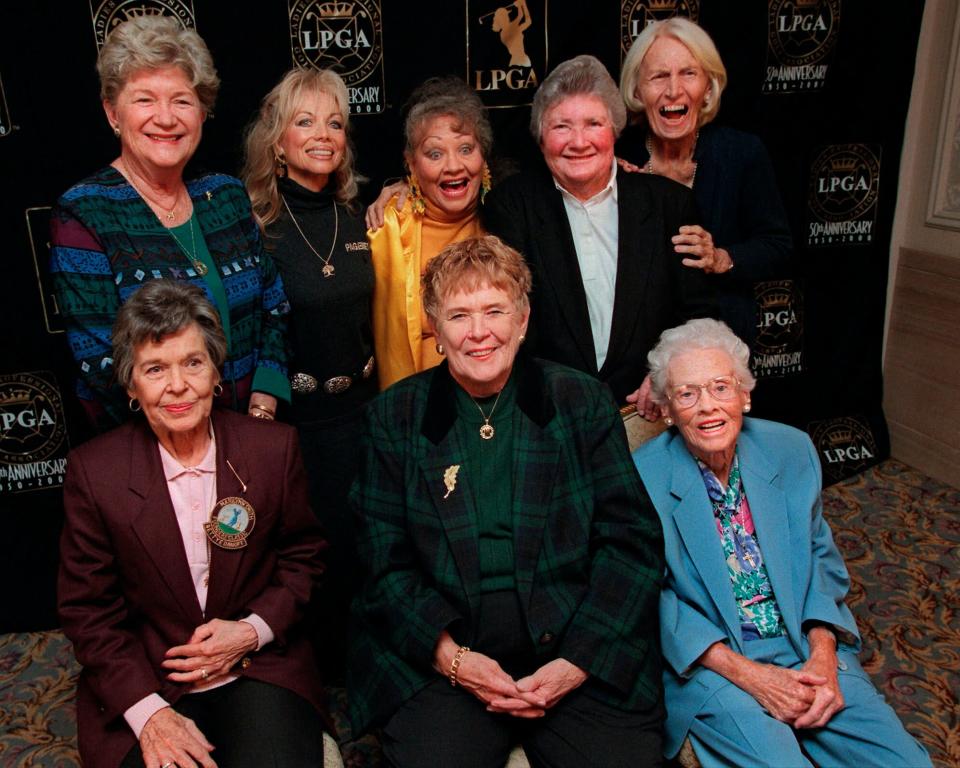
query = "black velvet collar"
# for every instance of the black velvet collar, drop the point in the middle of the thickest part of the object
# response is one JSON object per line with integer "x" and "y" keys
{"x": 532, "y": 398}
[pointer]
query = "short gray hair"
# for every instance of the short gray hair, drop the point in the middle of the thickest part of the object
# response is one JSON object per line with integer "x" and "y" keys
{"x": 701, "y": 333}
{"x": 159, "y": 309}
{"x": 701, "y": 47}
{"x": 580, "y": 76}
{"x": 450, "y": 97}
{"x": 156, "y": 42}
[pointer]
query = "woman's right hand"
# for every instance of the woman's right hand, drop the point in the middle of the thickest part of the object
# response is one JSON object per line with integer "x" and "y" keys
{"x": 170, "y": 739}
{"x": 785, "y": 693}
{"x": 374, "y": 217}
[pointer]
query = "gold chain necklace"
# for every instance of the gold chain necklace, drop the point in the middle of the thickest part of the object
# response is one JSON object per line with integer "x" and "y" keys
{"x": 328, "y": 269}
{"x": 486, "y": 429}
{"x": 169, "y": 213}
{"x": 649, "y": 168}
{"x": 199, "y": 266}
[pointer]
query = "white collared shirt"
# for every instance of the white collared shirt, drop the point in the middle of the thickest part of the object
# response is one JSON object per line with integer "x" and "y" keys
{"x": 595, "y": 228}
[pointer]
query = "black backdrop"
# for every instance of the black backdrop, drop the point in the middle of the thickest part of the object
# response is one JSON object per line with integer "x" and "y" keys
{"x": 825, "y": 83}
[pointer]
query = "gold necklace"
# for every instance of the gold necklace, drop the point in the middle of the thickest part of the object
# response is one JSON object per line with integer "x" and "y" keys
{"x": 486, "y": 430}
{"x": 169, "y": 213}
{"x": 649, "y": 168}
{"x": 198, "y": 266}
{"x": 328, "y": 269}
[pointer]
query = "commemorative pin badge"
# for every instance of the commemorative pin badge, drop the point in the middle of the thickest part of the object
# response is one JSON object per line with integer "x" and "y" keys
{"x": 230, "y": 523}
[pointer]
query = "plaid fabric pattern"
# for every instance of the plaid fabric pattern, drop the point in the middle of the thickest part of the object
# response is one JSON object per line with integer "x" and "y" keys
{"x": 106, "y": 243}
{"x": 588, "y": 545}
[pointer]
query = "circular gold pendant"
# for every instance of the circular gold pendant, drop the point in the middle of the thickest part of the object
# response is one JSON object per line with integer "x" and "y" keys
{"x": 200, "y": 268}
{"x": 486, "y": 432}
{"x": 328, "y": 270}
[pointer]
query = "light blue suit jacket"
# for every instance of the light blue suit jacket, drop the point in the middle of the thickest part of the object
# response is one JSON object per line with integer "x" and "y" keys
{"x": 781, "y": 478}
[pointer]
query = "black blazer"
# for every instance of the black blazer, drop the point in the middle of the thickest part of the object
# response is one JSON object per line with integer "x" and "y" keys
{"x": 654, "y": 291}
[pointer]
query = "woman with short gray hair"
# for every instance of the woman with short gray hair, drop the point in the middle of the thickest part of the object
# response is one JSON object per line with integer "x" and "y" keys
{"x": 597, "y": 239}
{"x": 188, "y": 558}
{"x": 138, "y": 219}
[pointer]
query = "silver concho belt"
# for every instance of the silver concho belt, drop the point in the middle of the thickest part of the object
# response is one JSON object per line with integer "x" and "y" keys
{"x": 304, "y": 383}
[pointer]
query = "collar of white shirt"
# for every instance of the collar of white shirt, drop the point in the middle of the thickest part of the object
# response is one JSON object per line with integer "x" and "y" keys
{"x": 609, "y": 190}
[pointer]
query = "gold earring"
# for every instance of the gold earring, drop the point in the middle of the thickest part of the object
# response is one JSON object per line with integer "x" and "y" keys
{"x": 281, "y": 165}
{"x": 417, "y": 203}
{"x": 486, "y": 182}
{"x": 116, "y": 131}
{"x": 439, "y": 348}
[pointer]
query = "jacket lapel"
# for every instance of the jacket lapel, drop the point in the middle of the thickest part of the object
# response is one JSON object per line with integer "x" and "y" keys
{"x": 638, "y": 236}
{"x": 225, "y": 564}
{"x": 695, "y": 522}
{"x": 560, "y": 271}
{"x": 155, "y": 522}
{"x": 768, "y": 505}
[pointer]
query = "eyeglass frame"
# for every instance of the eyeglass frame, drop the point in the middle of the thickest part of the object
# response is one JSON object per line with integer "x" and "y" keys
{"x": 701, "y": 387}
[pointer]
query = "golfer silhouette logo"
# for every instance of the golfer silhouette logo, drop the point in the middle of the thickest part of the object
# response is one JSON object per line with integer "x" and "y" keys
{"x": 511, "y": 21}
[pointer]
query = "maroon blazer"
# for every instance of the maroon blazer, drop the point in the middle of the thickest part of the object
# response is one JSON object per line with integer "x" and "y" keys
{"x": 125, "y": 591}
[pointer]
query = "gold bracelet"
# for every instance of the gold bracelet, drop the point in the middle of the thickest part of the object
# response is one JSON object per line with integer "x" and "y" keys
{"x": 455, "y": 664}
{"x": 265, "y": 413}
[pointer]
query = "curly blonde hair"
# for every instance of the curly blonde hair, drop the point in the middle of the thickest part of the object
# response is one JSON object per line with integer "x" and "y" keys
{"x": 276, "y": 111}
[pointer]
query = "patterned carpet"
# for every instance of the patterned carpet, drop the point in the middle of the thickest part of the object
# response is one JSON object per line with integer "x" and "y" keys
{"x": 898, "y": 530}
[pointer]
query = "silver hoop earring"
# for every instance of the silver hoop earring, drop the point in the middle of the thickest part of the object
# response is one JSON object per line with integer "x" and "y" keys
{"x": 217, "y": 389}
{"x": 134, "y": 405}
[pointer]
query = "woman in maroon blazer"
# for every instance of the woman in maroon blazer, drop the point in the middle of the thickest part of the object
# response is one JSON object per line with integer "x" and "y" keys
{"x": 188, "y": 556}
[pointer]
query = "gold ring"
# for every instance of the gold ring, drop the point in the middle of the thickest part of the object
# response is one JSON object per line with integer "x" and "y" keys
{"x": 204, "y": 675}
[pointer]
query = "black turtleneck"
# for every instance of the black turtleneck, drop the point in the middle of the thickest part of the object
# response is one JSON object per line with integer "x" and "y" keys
{"x": 329, "y": 326}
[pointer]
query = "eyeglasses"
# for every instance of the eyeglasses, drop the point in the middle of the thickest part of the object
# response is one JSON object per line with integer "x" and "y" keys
{"x": 722, "y": 388}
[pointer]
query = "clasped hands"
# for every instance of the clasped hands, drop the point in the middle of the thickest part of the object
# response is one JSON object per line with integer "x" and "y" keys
{"x": 214, "y": 648}
{"x": 528, "y": 697}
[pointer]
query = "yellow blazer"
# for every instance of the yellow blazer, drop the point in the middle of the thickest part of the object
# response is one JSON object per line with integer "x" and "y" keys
{"x": 397, "y": 309}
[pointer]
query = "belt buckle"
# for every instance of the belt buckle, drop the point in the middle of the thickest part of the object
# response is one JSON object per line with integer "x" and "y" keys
{"x": 337, "y": 384}
{"x": 303, "y": 383}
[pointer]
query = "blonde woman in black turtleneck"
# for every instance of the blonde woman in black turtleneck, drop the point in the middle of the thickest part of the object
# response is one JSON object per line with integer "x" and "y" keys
{"x": 301, "y": 181}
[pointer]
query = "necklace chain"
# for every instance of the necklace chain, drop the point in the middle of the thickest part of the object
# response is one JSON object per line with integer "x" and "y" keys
{"x": 328, "y": 268}
{"x": 486, "y": 430}
{"x": 649, "y": 167}
{"x": 169, "y": 213}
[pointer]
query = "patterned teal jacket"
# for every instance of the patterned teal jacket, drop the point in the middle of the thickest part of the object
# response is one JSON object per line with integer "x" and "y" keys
{"x": 588, "y": 547}
{"x": 106, "y": 242}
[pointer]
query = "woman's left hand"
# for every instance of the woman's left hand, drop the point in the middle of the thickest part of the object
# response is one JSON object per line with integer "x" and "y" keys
{"x": 822, "y": 662}
{"x": 212, "y": 651}
{"x": 547, "y": 685}
{"x": 694, "y": 240}
{"x": 262, "y": 406}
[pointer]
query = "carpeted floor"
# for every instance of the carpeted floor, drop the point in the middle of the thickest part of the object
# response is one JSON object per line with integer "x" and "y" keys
{"x": 898, "y": 530}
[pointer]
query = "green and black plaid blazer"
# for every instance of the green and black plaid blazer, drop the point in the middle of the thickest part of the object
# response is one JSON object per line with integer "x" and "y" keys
{"x": 587, "y": 542}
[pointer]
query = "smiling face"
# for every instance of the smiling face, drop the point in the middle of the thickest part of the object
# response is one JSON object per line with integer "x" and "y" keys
{"x": 448, "y": 164}
{"x": 315, "y": 140}
{"x": 671, "y": 86}
{"x": 480, "y": 331}
{"x": 576, "y": 138}
{"x": 160, "y": 120}
{"x": 174, "y": 379}
{"x": 711, "y": 427}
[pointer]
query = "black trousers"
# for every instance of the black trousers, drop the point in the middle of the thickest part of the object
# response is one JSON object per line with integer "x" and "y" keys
{"x": 252, "y": 725}
{"x": 445, "y": 727}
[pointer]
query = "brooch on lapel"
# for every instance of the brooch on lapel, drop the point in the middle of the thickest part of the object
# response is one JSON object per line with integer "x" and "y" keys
{"x": 450, "y": 478}
{"x": 232, "y": 519}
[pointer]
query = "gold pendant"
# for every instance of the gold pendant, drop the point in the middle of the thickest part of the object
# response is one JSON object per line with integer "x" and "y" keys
{"x": 487, "y": 432}
{"x": 199, "y": 267}
{"x": 328, "y": 270}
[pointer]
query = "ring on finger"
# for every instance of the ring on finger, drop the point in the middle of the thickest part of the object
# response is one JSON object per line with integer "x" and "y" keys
{"x": 204, "y": 675}
{"x": 167, "y": 765}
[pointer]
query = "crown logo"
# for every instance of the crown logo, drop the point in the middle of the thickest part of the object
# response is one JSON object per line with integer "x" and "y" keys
{"x": 844, "y": 164}
{"x": 840, "y": 436}
{"x": 16, "y": 397}
{"x": 662, "y": 5}
{"x": 132, "y": 13}
{"x": 336, "y": 9}
{"x": 806, "y": 3}
{"x": 780, "y": 298}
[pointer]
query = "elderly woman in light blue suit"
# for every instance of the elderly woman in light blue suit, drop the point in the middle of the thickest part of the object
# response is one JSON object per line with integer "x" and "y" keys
{"x": 760, "y": 649}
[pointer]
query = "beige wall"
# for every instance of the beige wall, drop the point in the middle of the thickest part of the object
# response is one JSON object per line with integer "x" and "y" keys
{"x": 922, "y": 333}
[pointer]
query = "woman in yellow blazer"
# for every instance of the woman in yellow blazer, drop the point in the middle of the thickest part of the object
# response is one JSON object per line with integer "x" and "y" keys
{"x": 448, "y": 138}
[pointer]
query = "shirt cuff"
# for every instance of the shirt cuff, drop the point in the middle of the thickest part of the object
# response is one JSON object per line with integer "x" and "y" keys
{"x": 137, "y": 715}
{"x": 264, "y": 633}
